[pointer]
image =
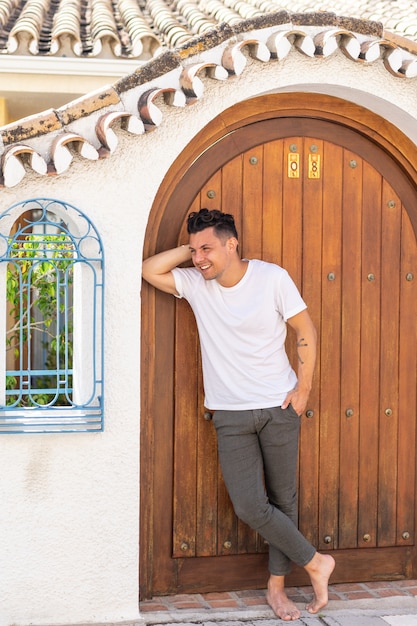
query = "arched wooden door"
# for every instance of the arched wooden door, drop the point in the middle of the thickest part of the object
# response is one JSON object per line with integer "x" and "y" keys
{"x": 334, "y": 209}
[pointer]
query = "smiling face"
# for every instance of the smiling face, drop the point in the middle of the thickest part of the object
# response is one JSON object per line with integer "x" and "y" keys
{"x": 216, "y": 258}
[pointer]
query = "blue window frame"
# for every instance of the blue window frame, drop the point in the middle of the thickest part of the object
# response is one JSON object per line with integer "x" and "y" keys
{"x": 52, "y": 274}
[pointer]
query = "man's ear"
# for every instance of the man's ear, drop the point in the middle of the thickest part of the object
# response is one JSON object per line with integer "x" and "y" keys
{"x": 232, "y": 244}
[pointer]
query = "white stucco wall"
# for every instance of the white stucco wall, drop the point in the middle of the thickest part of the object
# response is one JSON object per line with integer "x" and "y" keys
{"x": 69, "y": 514}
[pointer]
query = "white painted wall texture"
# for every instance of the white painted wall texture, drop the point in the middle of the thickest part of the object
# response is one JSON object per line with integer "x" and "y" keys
{"x": 69, "y": 513}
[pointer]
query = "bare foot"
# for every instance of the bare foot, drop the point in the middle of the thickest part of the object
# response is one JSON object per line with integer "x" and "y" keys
{"x": 278, "y": 600}
{"x": 319, "y": 569}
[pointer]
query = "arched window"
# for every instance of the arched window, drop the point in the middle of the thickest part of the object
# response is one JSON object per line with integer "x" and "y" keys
{"x": 52, "y": 278}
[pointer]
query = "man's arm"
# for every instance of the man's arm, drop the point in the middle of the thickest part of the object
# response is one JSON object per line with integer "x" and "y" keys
{"x": 306, "y": 352}
{"x": 157, "y": 269}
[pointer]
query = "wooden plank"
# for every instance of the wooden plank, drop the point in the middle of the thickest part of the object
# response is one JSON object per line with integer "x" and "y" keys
{"x": 207, "y": 506}
{"x": 330, "y": 337}
{"x": 370, "y": 357}
{"x": 210, "y": 193}
{"x": 273, "y": 173}
{"x": 390, "y": 313}
{"x": 292, "y": 228}
{"x": 247, "y": 539}
{"x": 185, "y": 433}
{"x": 252, "y": 201}
{"x": 292, "y": 206}
{"x": 162, "y": 415}
{"x": 186, "y": 354}
{"x": 253, "y": 226}
{"x": 310, "y": 287}
{"x": 232, "y": 191}
{"x": 195, "y": 482}
{"x": 350, "y": 351}
{"x": 369, "y": 564}
{"x": 250, "y": 571}
{"x": 251, "y": 229}
{"x": 227, "y": 525}
{"x": 231, "y": 201}
{"x": 407, "y": 403}
{"x": 223, "y": 573}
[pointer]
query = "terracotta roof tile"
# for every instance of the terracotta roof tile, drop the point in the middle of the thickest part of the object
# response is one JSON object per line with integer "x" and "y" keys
{"x": 32, "y": 126}
{"x": 85, "y": 105}
{"x": 263, "y": 29}
{"x": 141, "y": 29}
{"x": 63, "y": 148}
{"x": 14, "y": 160}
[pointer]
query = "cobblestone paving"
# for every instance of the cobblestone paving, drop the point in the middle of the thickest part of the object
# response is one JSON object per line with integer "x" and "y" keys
{"x": 353, "y": 604}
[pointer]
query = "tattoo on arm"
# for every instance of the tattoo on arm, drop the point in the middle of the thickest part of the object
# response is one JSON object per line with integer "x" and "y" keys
{"x": 301, "y": 344}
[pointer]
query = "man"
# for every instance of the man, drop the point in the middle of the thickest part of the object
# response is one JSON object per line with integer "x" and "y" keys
{"x": 241, "y": 308}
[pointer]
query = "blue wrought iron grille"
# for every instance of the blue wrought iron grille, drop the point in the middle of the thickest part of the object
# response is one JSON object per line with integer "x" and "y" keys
{"x": 52, "y": 271}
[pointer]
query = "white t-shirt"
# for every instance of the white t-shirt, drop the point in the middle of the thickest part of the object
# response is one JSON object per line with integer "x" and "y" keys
{"x": 242, "y": 333}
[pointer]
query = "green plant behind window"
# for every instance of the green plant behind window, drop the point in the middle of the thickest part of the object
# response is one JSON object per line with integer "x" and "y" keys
{"x": 39, "y": 290}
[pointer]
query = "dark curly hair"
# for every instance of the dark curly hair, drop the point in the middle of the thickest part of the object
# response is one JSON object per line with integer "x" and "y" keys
{"x": 223, "y": 223}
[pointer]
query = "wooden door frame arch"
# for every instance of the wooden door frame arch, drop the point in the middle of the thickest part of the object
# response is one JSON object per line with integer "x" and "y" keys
{"x": 237, "y": 129}
{"x": 303, "y": 107}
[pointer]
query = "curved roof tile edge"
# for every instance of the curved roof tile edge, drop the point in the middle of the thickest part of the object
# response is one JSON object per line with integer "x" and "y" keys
{"x": 175, "y": 75}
